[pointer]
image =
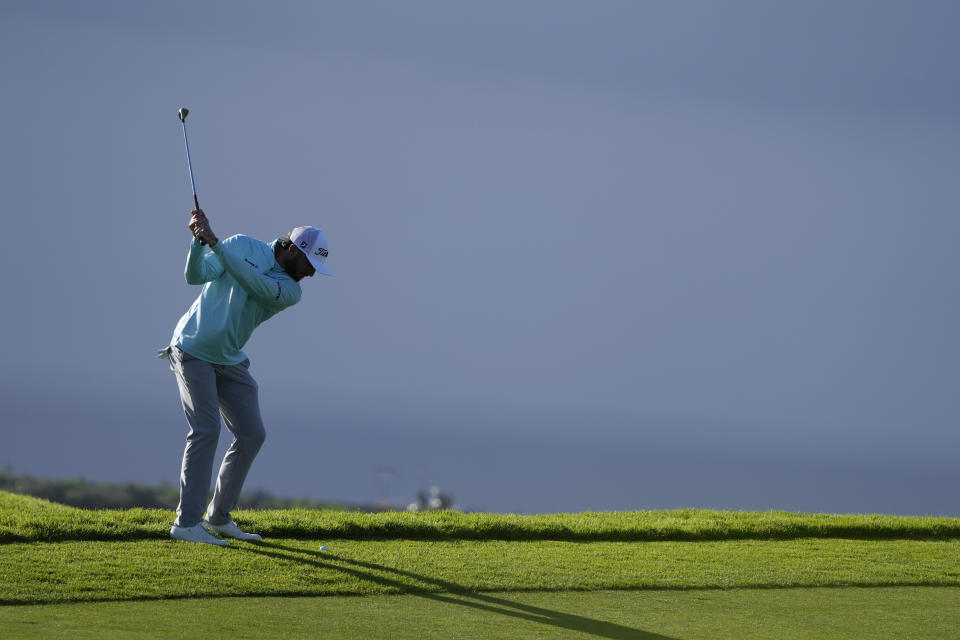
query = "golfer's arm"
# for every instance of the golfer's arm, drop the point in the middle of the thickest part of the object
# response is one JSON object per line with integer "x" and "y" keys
{"x": 201, "y": 266}
{"x": 271, "y": 293}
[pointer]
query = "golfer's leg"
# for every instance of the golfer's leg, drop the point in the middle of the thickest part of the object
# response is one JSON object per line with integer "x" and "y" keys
{"x": 240, "y": 406}
{"x": 198, "y": 393}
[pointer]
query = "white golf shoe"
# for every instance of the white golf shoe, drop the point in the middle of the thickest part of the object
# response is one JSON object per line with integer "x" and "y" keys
{"x": 231, "y": 530}
{"x": 196, "y": 533}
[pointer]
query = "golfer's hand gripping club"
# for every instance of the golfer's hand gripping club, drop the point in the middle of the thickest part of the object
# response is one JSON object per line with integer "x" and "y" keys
{"x": 200, "y": 228}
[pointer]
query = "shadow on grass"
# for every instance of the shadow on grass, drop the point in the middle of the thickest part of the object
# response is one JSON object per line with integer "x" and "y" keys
{"x": 454, "y": 594}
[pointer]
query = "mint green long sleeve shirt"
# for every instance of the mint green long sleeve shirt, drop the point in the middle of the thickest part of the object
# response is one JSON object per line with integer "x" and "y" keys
{"x": 242, "y": 287}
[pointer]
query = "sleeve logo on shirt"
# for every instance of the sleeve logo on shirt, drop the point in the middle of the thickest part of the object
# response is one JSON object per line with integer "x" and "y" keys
{"x": 247, "y": 260}
{"x": 279, "y": 291}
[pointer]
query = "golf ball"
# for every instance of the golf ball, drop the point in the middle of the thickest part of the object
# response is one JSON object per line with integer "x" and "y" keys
{"x": 323, "y": 548}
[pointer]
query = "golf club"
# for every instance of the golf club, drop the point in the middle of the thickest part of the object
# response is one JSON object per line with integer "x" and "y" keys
{"x": 182, "y": 113}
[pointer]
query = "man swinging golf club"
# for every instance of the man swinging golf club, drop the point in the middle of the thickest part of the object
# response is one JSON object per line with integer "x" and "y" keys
{"x": 245, "y": 282}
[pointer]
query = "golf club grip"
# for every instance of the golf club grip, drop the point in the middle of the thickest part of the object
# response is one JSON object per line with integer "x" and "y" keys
{"x": 197, "y": 208}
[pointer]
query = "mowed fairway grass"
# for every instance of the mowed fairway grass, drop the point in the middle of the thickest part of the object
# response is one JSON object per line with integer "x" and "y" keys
{"x": 68, "y": 572}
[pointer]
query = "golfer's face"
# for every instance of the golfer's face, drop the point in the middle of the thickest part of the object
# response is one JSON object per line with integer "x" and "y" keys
{"x": 300, "y": 267}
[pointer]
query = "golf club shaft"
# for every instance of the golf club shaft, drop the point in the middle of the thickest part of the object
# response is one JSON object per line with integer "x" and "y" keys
{"x": 193, "y": 184}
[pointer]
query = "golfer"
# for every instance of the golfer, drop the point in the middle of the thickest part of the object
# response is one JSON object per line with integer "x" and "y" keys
{"x": 245, "y": 281}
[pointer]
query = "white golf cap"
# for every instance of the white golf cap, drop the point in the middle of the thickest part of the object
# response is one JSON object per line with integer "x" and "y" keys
{"x": 313, "y": 244}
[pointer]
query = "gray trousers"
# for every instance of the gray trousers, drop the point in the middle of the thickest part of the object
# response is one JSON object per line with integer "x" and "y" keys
{"x": 208, "y": 391}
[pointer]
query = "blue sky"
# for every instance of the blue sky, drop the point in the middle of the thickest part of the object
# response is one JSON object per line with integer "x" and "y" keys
{"x": 571, "y": 242}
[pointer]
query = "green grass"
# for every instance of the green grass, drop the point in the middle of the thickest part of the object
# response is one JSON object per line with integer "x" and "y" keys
{"x": 25, "y": 519}
{"x": 656, "y": 574}
{"x": 82, "y": 571}
{"x": 736, "y": 614}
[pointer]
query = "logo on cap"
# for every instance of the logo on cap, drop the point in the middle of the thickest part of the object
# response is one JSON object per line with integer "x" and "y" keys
{"x": 312, "y": 243}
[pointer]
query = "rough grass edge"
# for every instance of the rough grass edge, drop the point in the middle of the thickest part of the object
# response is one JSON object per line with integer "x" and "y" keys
{"x": 27, "y": 519}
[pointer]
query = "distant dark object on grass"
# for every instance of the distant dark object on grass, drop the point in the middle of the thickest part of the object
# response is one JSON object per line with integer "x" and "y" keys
{"x": 436, "y": 501}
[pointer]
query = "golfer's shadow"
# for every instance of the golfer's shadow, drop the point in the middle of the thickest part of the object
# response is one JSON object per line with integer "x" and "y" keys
{"x": 455, "y": 594}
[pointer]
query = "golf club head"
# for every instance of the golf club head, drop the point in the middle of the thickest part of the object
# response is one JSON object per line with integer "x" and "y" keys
{"x": 183, "y": 113}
